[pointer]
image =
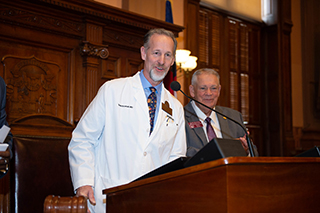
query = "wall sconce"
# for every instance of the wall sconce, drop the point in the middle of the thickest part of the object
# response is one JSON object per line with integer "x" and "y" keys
{"x": 186, "y": 62}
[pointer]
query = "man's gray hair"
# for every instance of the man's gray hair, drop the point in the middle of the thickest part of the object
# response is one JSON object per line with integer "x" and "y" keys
{"x": 159, "y": 31}
{"x": 201, "y": 71}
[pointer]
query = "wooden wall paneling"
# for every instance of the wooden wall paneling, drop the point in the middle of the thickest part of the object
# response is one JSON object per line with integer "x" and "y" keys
{"x": 256, "y": 94}
{"x": 191, "y": 21}
{"x": 233, "y": 53}
{"x": 310, "y": 29}
{"x": 204, "y": 56}
{"x": 216, "y": 50}
{"x": 290, "y": 149}
{"x": 255, "y": 80}
{"x": 125, "y": 46}
{"x": 285, "y": 26}
{"x": 92, "y": 52}
{"x": 192, "y": 28}
{"x": 37, "y": 52}
{"x": 271, "y": 117}
{"x": 244, "y": 71}
{"x": 278, "y": 116}
{"x": 120, "y": 63}
{"x": 225, "y": 74}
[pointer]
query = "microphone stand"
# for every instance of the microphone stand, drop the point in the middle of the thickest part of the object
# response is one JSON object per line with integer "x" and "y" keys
{"x": 247, "y": 135}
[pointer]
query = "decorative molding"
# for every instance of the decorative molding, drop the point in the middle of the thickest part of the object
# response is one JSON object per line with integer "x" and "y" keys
{"x": 17, "y": 16}
{"x": 112, "y": 15}
{"x": 122, "y": 39}
{"x": 95, "y": 50}
{"x": 85, "y": 9}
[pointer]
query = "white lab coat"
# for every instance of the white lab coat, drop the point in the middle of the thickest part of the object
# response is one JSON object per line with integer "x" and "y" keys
{"x": 111, "y": 145}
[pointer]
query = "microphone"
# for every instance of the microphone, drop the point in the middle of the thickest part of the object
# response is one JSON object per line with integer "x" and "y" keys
{"x": 175, "y": 86}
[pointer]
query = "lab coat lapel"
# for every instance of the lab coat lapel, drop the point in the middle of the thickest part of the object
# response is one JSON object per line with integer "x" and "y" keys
{"x": 139, "y": 95}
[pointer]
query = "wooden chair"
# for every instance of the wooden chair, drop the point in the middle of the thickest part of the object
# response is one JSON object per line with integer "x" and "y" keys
{"x": 40, "y": 166}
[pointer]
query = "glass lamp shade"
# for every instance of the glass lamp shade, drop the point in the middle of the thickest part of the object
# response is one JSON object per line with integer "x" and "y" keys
{"x": 182, "y": 56}
{"x": 190, "y": 64}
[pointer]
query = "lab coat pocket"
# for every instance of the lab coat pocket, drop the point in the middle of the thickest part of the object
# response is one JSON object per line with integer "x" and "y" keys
{"x": 170, "y": 130}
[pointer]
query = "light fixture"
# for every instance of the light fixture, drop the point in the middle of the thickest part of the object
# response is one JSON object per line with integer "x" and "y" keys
{"x": 190, "y": 64}
{"x": 182, "y": 56}
{"x": 186, "y": 62}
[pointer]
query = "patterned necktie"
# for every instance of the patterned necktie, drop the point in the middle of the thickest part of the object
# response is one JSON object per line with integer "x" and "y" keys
{"x": 210, "y": 132}
{"x": 152, "y": 104}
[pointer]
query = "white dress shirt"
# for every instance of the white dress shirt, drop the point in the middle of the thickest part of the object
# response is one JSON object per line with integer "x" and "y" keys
{"x": 214, "y": 120}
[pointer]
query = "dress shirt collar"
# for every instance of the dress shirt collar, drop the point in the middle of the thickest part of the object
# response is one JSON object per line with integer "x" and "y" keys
{"x": 214, "y": 119}
{"x": 146, "y": 84}
{"x": 202, "y": 117}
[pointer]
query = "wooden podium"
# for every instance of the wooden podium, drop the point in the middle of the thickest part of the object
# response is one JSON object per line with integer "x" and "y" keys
{"x": 236, "y": 184}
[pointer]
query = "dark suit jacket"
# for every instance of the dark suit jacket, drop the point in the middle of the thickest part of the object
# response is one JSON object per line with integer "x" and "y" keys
{"x": 196, "y": 137}
{"x": 3, "y": 115}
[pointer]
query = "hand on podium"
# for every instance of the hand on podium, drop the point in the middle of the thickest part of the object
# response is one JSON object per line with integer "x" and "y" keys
{"x": 244, "y": 143}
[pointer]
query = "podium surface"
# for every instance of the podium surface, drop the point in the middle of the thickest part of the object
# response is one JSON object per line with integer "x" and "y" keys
{"x": 235, "y": 184}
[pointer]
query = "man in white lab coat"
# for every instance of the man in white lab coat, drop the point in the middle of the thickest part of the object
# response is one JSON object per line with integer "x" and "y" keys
{"x": 114, "y": 142}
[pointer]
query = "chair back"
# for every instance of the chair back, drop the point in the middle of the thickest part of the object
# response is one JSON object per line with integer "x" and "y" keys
{"x": 40, "y": 167}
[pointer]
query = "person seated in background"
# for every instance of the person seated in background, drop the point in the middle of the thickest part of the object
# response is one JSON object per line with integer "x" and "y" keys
{"x": 6, "y": 155}
{"x": 203, "y": 124}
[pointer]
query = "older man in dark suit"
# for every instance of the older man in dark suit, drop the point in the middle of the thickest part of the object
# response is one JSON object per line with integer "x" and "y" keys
{"x": 202, "y": 124}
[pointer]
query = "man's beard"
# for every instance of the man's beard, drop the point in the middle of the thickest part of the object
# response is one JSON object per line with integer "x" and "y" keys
{"x": 155, "y": 77}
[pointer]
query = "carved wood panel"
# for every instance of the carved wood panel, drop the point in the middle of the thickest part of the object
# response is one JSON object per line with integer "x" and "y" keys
{"x": 32, "y": 86}
{"x": 37, "y": 80}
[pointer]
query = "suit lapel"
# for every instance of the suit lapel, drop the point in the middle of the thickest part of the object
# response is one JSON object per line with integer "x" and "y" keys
{"x": 224, "y": 127}
{"x": 191, "y": 116}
